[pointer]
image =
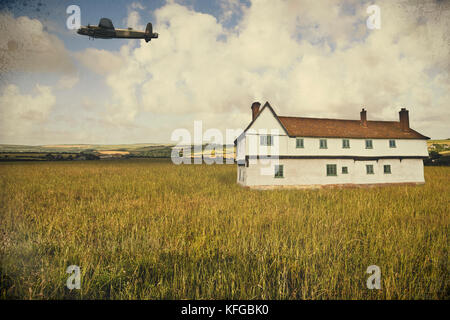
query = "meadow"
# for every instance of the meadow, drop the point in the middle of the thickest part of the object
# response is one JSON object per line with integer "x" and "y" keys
{"x": 148, "y": 229}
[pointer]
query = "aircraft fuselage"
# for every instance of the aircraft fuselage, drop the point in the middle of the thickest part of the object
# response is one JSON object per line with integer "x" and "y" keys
{"x": 106, "y": 30}
{"x": 98, "y": 32}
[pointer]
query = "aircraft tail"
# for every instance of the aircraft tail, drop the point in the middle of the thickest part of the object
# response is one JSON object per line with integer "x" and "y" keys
{"x": 149, "y": 33}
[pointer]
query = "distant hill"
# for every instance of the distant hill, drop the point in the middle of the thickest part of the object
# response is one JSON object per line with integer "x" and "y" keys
{"x": 440, "y": 146}
{"x": 90, "y": 151}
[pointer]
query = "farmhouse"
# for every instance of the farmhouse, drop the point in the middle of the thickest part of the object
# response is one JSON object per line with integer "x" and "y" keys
{"x": 296, "y": 151}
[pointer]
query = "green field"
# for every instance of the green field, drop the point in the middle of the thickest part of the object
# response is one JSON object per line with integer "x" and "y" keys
{"x": 147, "y": 229}
{"x": 446, "y": 141}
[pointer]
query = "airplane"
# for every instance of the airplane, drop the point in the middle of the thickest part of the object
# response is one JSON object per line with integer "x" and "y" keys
{"x": 105, "y": 30}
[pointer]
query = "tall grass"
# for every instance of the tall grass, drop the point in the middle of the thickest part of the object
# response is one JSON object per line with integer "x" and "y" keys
{"x": 147, "y": 229}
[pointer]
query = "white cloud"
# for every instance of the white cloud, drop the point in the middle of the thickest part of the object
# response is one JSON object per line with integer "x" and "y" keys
{"x": 307, "y": 58}
{"x": 137, "y": 5}
{"x": 68, "y": 81}
{"x": 133, "y": 19}
{"x": 25, "y": 46}
{"x": 21, "y": 114}
{"x": 100, "y": 61}
{"x": 230, "y": 8}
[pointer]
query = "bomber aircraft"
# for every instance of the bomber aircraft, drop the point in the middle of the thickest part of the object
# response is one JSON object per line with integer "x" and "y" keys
{"x": 105, "y": 30}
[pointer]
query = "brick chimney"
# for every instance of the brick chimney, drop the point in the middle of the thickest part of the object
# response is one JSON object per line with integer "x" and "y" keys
{"x": 255, "y": 109}
{"x": 363, "y": 117}
{"x": 404, "y": 119}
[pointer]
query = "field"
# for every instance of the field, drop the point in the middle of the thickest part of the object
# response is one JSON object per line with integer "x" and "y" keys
{"x": 147, "y": 229}
{"x": 97, "y": 151}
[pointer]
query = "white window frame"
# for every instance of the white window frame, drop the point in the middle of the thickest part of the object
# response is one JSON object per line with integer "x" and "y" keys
{"x": 278, "y": 166}
{"x": 266, "y": 140}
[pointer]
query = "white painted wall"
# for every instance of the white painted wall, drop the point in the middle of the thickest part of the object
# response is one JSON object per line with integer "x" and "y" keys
{"x": 240, "y": 148}
{"x": 241, "y": 175}
{"x": 287, "y": 147}
{"x": 265, "y": 124}
{"x": 314, "y": 172}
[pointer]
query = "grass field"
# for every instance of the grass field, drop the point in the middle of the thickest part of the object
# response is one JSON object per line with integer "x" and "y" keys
{"x": 147, "y": 229}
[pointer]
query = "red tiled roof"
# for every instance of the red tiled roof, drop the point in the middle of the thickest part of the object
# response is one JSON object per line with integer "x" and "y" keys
{"x": 335, "y": 128}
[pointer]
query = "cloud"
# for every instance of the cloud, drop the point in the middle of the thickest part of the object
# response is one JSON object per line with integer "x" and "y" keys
{"x": 134, "y": 18}
{"x": 137, "y": 5}
{"x": 68, "y": 81}
{"x": 230, "y": 9}
{"x": 25, "y": 46}
{"x": 100, "y": 61}
{"x": 21, "y": 114}
{"x": 307, "y": 58}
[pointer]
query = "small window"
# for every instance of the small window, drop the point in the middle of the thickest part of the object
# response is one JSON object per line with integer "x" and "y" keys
{"x": 266, "y": 140}
{"x": 369, "y": 168}
{"x": 345, "y": 143}
{"x": 331, "y": 170}
{"x": 279, "y": 171}
{"x": 387, "y": 168}
{"x": 369, "y": 144}
{"x": 392, "y": 144}
{"x": 344, "y": 170}
{"x": 299, "y": 143}
{"x": 323, "y": 143}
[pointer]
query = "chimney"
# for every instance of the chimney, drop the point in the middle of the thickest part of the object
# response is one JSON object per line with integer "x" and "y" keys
{"x": 404, "y": 119}
{"x": 255, "y": 109}
{"x": 363, "y": 117}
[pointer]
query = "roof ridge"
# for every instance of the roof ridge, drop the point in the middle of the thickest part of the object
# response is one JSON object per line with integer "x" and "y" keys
{"x": 350, "y": 128}
{"x": 313, "y": 118}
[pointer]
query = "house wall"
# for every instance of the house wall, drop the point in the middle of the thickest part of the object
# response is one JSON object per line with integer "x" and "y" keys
{"x": 241, "y": 175}
{"x": 314, "y": 172}
{"x": 240, "y": 148}
{"x": 266, "y": 123}
{"x": 260, "y": 172}
{"x": 287, "y": 147}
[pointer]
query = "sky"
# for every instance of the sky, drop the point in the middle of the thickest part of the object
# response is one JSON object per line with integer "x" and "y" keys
{"x": 212, "y": 60}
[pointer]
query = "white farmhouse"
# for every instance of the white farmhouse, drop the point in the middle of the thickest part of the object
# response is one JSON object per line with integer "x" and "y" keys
{"x": 295, "y": 151}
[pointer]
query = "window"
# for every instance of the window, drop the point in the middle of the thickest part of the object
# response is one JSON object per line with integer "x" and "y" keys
{"x": 387, "y": 168}
{"x": 344, "y": 170}
{"x": 323, "y": 143}
{"x": 331, "y": 170}
{"x": 369, "y": 144}
{"x": 279, "y": 171}
{"x": 299, "y": 143}
{"x": 345, "y": 143}
{"x": 369, "y": 168}
{"x": 392, "y": 144}
{"x": 266, "y": 140}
